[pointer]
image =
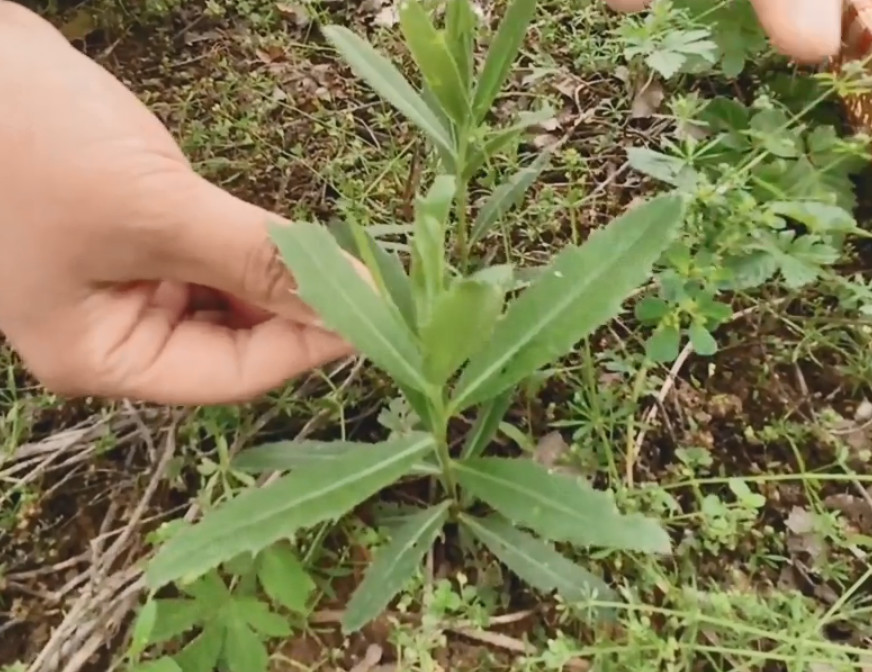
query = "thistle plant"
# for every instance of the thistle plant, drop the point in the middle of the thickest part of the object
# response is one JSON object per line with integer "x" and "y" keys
{"x": 454, "y": 342}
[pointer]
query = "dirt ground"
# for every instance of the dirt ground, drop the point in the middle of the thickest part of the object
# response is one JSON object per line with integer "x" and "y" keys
{"x": 757, "y": 458}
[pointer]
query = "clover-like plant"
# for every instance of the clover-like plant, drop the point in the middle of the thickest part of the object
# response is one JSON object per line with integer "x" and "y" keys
{"x": 451, "y": 342}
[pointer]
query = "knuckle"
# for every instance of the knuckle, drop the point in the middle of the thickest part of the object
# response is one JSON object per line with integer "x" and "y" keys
{"x": 264, "y": 275}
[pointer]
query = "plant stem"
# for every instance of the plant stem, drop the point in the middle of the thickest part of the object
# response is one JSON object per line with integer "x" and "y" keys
{"x": 463, "y": 225}
{"x": 443, "y": 456}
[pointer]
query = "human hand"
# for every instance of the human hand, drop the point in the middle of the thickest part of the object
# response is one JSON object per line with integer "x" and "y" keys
{"x": 807, "y": 30}
{"x": 122, "y": 272}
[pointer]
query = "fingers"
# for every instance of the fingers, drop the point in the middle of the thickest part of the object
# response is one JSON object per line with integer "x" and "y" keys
{"x": 205, "y": 363}
{"x": 806, "y": 30}
{"x": 167, "y": 357}
{"x": 219, "y": 241}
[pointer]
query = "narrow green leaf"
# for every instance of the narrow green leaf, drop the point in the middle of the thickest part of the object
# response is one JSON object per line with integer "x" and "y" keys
{"x": 580, "y": 290}
{"x": 430, "y": 50}
{"x": 202, "y": 654}
{"x": 387, "y": 265}
{"x": 428, "y": 245}
{"x": 557, "y": 506}
{"x": 507, "y": 196}
{"x": 284, "y": 579}
{"x": 496, "y": 141}
{"x": 394, "y": 564}
{"x": 387, "y": 81}
{"x": 486, "y": 424}
{"x": 243, "y": 649}
{"x": 474, "y": 303}
{"x": 303, "y": 498}
{"x": 536, "y": 562}
{"x": 288, "y": 455}
{"x": 460, "y": 28}
{"x": 447, "y": 159}
{"x": 501, "y": 55}
{"x": 328, "y": 282}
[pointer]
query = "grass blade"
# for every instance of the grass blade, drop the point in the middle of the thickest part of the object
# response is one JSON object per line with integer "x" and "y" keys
{"x": 394, "y": 564}
{"x": 536, "y": 562}
{"x": 557, "y": 506}
{"x": 257, "y": 518}
{"x": 580, "y": 290}
{"x": 387, "y": 81}
{"x": 501, "y": 55}
{"x": 348, "y": 305}
{"x": 507, "y": 196}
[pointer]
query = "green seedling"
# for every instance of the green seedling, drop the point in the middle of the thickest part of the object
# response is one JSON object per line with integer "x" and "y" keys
{"x": 452, "y": 343}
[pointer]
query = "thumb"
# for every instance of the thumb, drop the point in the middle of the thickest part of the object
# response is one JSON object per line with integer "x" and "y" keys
{"x": 807, "y": 30}
{"x": 222, "y": 242}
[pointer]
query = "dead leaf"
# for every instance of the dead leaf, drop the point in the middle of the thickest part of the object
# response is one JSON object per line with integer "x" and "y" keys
{"x": 296, "y": 14}
{"x": 800, "y": 520}
{"x": 551, "y": 450}
{"x": 79, "y": 27}
{"x": 386, "y": 17}
{"x": 270, "y": 54}
{"x": 370, "y": 6}
{"x": 804, "y": 537}
{"x": 647, "y": 99}
{"x": 863, "y": 412}
{"x": 689, "y": 130}
{"x": 857, "y": 510}
{"x": 371, "y": 658}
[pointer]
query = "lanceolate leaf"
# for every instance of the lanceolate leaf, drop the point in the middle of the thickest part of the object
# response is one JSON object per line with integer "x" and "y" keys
{"x": 358, "y": 242}
{"x": 287, "y": 455}
{"x": 428, "y": 247}
{"x": 387, "y": 81}
{"x": 394, "y": 564}
{"x": 430, "y": 50}
{"x": 508, "y": 195}
{"x": 305, "y": 497}
{"x": 501, "y": 54}
{"x": 580, "y": 290}
{"x": 327, "y": 281}
{"x": 536, "y": 562}
{"x": 460, "y": 29}
{"x": 558, "y": 506}
{"x": 474, "y": 304}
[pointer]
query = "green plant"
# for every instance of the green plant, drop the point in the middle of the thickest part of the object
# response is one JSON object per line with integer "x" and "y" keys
{"x": 231, "y": 623}
{"x": 451, "y": 109}
{"x": 770, "y": 201}
{"x": 451, "y": 342}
